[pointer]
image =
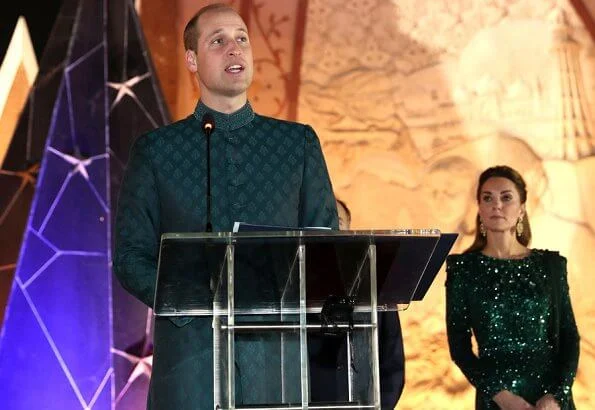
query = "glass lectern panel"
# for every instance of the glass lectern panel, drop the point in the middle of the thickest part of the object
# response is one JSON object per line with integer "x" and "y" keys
{"x": 295, "y": 305}
{"x": 192, "y": 268}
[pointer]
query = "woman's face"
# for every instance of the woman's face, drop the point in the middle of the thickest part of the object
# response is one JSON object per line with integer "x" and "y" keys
{"x": 500, "y": 205}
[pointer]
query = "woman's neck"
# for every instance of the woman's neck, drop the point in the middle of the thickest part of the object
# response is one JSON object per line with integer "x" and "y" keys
{"x": 504, "y": 245}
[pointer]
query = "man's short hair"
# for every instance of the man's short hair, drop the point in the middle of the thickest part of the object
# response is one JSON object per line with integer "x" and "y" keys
{"x": 191, "y": 31}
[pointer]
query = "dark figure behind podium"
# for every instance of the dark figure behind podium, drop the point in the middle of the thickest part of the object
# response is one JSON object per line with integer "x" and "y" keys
{"x": 515, "y": 301}
{"x": 262, "y": 171}
{"x": 328, "y": 360}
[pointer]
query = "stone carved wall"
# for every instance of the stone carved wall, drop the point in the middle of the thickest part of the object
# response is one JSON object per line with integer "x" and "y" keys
{"x": 413, "y": 99}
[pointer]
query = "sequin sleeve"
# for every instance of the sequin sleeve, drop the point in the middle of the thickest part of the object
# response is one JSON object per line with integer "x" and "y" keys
{"x": 458, "y": 326}
{"x": 568, "y": 343}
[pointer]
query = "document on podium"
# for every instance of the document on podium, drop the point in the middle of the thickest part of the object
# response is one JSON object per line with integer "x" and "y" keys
{"x": 246, "y": 227}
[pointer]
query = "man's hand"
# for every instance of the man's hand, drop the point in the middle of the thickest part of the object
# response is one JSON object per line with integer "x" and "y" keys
{"x": 510, "y": 401}
{"x": 547, "y": 402}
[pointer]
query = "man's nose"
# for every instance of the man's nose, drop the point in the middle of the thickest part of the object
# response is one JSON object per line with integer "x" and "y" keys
{"x": 234, "y": 49}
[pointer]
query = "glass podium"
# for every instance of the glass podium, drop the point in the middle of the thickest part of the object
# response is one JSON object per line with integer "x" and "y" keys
{"x": 281, "y": 286}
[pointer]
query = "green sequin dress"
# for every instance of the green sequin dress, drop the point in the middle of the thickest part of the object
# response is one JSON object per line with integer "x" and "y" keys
{"x": 520, "y": 314}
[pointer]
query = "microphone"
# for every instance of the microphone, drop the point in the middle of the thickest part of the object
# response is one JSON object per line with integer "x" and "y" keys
{"x": 208, "y": 126}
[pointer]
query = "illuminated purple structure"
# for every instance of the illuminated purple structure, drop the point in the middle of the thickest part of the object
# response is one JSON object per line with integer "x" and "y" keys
{"x": 71, "y": 337}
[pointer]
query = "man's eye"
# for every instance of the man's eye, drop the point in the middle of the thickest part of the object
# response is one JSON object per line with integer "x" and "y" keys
{"x": 243, "y": 39}
{"x": 217, "y": 41}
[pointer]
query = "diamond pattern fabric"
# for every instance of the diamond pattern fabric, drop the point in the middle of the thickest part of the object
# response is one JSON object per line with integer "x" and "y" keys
{"x": 263, "y": 171}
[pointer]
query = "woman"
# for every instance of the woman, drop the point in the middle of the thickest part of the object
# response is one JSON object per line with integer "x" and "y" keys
{"x": 516, "y": 303}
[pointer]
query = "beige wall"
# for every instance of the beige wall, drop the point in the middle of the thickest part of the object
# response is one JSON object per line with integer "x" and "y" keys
{"x": 413, "y": 99}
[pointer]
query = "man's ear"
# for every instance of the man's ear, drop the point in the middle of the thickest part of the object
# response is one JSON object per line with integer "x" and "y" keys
{"x": 190, "y": 59}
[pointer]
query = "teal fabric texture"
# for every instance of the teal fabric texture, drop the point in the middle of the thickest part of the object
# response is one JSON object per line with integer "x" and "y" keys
{"x": 263, "y": 171}
{"x": 519, "y": 312}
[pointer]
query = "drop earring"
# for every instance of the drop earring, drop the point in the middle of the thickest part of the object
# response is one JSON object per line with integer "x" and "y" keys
{"x": 519, "y": 227}
{"x": 482, "y": 229}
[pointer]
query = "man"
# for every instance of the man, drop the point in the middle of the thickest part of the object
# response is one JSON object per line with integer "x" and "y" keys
{"x": 263, "y": 171}
{"x": 328, "y": 360}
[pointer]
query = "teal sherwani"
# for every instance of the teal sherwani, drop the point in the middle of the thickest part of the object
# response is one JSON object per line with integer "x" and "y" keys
{"x": 263, "y": 171}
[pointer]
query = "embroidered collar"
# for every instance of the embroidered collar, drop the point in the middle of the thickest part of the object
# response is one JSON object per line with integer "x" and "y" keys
{"x": 226, "y": 122}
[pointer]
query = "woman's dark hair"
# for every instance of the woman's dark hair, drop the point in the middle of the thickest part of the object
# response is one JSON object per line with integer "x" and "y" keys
{"x": 501, "y": 171}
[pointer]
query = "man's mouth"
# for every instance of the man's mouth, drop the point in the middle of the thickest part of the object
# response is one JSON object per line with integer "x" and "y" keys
{"x": 234, "y": 69}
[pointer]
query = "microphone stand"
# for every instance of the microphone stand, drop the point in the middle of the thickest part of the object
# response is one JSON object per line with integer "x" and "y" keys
{"x": 208, "y": 125}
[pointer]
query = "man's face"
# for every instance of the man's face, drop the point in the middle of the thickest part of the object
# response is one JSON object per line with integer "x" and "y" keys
{"x": 223, "y": 58}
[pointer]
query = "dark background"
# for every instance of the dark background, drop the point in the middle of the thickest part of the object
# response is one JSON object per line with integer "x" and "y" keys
{"x": 40, "y": 16}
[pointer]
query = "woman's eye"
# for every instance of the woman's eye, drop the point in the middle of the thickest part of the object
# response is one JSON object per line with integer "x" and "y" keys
{"x": 507, "y": 198}
{"x": 486, "y": 198}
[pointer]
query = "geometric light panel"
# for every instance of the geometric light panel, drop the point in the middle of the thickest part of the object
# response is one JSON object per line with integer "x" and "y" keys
{"x": 72, "y": 337}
